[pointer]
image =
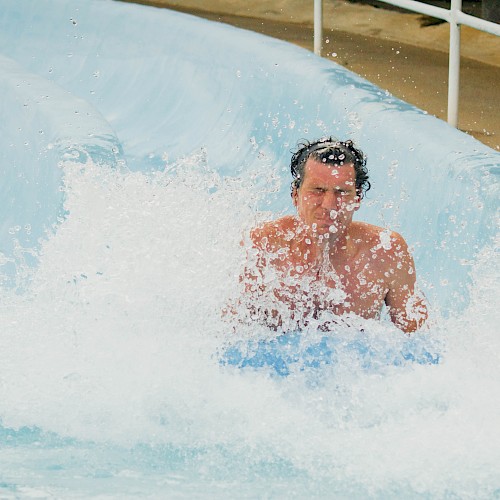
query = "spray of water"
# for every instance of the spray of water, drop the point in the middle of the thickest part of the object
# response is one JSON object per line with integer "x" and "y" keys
{"x": 116, "y": 342}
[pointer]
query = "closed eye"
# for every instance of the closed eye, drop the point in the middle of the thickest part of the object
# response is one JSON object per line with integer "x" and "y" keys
{"x": 338, "y": 191}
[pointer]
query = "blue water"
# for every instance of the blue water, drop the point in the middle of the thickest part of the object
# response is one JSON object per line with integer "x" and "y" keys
{"x": 137, "y": 146}
{"x": 294, "y": 351}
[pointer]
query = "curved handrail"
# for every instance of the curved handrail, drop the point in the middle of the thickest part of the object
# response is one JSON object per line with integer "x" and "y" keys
{"x": 454, "y": 16}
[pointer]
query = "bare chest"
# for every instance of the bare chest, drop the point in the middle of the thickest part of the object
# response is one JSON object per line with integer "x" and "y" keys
{"x": 357, "y": 285}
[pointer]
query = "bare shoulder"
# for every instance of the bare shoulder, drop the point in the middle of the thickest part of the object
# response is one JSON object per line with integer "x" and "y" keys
{"x": 380, "y": 239}
{"x": 274, "y": 234}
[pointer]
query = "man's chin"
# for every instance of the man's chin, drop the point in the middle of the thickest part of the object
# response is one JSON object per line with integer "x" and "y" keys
{"x": 326, "y": 231}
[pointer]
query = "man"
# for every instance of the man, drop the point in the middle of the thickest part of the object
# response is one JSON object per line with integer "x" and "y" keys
{"x": 320, "y": 264}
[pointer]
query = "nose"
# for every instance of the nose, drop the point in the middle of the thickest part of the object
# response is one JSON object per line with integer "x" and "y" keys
{"x": 329, "y": 201}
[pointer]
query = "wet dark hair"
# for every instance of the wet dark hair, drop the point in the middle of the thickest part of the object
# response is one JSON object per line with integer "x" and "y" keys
{"x": 333, "y": 152}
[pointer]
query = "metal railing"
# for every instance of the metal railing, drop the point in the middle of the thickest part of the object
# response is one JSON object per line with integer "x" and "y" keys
{"x": 454, "y": 16}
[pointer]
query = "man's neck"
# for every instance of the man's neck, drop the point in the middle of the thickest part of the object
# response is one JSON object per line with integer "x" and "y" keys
{"x": 339, "y": 248}
{"x": 335, "y": 247}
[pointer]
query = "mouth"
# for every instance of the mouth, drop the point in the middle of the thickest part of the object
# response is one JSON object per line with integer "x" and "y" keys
{"x": 326, "y": 220}
{"x": 328, "y": 217}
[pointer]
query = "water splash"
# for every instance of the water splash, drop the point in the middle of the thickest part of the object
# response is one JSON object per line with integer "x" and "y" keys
{"x": 116, "y": 343}
{"x": 111, "y": 382}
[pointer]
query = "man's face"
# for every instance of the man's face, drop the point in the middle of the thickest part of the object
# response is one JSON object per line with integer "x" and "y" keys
{"x": 327, "y": 198}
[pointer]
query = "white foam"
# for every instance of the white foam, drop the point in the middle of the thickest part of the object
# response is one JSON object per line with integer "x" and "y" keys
{"x": 115, "y": 342}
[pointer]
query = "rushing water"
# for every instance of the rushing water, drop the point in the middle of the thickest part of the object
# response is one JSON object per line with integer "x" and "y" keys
{"x": 132, "y": 174}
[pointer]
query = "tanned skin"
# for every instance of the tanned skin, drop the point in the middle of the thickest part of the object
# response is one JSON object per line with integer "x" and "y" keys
{"x": 325, "y": 261}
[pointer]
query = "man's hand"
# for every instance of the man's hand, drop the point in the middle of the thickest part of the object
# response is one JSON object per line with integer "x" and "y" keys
{"x": 407, "y": 308}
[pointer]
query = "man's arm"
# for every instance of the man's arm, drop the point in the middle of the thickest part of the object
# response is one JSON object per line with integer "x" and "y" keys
{"x": 258, "y": 265}
{"x": 407, "y": 307}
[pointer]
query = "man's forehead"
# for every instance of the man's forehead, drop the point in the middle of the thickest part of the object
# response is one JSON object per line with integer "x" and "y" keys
{"x": 319, "y": 168}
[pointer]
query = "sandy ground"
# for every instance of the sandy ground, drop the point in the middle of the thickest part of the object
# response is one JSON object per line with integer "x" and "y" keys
{"x": 390, "y": 48}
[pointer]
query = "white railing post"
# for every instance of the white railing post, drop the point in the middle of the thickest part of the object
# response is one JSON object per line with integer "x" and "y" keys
{"x": 454, "y": 16}
{"x": 454, "y": 64}
{"x": 318, "y": 26}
